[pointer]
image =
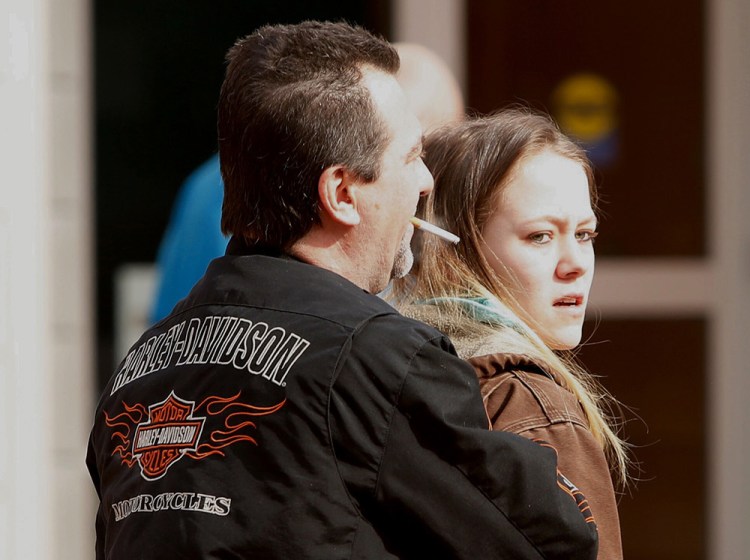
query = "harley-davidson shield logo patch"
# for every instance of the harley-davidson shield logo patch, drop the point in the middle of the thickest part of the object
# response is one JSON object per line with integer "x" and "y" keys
{"x": 170, "y": 431}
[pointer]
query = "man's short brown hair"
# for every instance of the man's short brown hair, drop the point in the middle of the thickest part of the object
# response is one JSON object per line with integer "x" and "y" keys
{"x": 292, "y": 104}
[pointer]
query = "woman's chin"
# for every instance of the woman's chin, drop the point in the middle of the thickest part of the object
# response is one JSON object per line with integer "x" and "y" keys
{"x": 563, "y": 341}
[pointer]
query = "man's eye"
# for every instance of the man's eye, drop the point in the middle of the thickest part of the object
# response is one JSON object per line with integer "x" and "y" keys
{"x": 540, "y": 238}
{"x": 586, "y": 235}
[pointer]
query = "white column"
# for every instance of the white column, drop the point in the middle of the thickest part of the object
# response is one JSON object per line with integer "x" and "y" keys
{"x": 729, "y": 366}
{"x": 438, "y": 25}
{"x": 71, "y": 278}
{"x": 26, "y": 462}
{"x": 46, "y": 373}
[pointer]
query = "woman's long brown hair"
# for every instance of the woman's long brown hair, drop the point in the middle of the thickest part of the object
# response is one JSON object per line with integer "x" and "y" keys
{"x": 472, "y": 162}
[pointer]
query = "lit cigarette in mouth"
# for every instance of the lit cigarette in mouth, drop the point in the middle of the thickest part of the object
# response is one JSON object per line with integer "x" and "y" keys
{"x": 441, "y": 233}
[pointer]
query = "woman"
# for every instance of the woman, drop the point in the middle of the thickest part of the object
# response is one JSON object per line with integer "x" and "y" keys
{"x": 512, "y": 294}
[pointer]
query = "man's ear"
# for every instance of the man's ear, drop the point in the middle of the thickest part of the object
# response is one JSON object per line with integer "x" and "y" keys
{"x": 337, "y": 195}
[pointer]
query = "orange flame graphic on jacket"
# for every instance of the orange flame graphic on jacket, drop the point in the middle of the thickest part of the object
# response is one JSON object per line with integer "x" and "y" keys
{"x": 236, "y": 427}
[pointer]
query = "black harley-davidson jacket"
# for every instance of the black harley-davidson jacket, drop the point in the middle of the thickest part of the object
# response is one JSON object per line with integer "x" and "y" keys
{"x": 282, "y": 412}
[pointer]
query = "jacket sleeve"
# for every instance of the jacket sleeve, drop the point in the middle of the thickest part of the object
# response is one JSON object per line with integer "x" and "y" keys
{"x": 536, "y": 408}
{"x": 582, "y": 460}
{"x": 442, "y": 483}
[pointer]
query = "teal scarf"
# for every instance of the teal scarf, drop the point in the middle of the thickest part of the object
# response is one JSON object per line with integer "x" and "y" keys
{"x": 481, "y": 309}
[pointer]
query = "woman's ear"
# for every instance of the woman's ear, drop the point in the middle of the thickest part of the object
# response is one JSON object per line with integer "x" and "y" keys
{"x": 337, "y": 195}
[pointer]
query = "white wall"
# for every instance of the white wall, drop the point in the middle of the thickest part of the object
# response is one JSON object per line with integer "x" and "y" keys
{"x": 46, "y": 369}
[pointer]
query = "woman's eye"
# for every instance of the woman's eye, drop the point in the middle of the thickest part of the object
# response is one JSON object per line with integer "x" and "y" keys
{"x": 586, "y": 235}
{"x": 540, "y": 238}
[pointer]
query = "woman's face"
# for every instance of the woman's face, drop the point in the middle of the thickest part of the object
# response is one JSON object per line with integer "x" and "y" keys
{"x": 541, "y": 232}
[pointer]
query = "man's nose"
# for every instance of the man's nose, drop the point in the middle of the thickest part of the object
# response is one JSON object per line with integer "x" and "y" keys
{"x": 427, "y": 183}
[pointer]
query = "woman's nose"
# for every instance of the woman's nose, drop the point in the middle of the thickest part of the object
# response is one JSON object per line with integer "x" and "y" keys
{"x": 575, "y": 258}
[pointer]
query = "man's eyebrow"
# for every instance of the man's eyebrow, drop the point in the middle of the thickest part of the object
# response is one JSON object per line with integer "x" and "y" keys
{"x": 416, "y": 149}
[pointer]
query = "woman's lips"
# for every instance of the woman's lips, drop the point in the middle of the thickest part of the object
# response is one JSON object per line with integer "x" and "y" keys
{"x": 569, "y": 301}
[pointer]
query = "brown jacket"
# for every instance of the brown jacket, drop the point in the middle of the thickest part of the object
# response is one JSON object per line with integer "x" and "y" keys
{"x": 522, "y": 398}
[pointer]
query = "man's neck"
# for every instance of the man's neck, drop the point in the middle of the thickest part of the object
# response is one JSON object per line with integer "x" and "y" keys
{"x": 335, "y": 253}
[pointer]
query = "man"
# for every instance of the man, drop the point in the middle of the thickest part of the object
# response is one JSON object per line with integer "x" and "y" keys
{"x": 284, "y": 411}
{"x": 431, "y": 89}
{"x": 193, "y": 237}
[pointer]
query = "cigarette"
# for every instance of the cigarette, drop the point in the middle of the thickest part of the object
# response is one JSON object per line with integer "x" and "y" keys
{"x": 441, "y": 233}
